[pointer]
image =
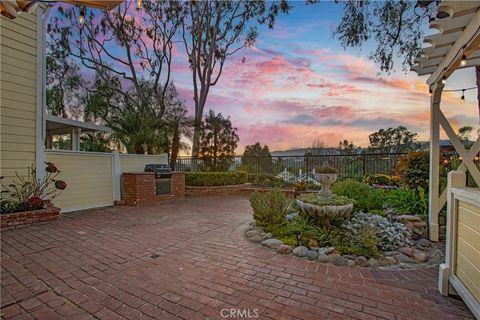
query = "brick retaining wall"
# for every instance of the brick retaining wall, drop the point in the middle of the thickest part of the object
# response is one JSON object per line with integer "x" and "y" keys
{"x": 12, "y": 220}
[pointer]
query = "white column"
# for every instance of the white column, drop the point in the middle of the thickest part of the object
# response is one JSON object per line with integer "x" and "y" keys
{"x": 434, "y": 181}
{"x": 117, "y": 176}
{"x": 456, "y": 179}
{"x": 76, "y": 139}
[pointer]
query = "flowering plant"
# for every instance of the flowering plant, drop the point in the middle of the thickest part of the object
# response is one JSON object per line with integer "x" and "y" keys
{"x": 29, "y": 192}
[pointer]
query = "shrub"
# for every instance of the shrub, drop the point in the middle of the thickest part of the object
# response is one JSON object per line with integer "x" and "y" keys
{"x": 413, "y": 170}
{"x": 379, "y": 179}
{"x": 208, "y": 179}
{"x": 269, "y": 208}
{"x": 326, "y": 169}
{"x": 268, "y": 181}
{"x": 409, "y": 201}
{"x": 366, "y": 198}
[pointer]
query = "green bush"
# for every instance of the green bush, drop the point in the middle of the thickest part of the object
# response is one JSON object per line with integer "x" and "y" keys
{"x": 366, "y": 198}
{"x": 409, "y": 201}
{"x": 208, "y": 179}
{"x": 379, "y": 179}
{"x": 268, "y": 181}
{"x": 363, "y": 243}
{"x": 413, "y": 170}
{"x": 269, "y": 208}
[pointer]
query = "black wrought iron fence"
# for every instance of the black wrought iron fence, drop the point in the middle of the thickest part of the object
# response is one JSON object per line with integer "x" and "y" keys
{"x": 349, "y": 166}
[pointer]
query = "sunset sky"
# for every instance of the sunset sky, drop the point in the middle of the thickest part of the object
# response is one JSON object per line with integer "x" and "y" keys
{"x": 298, "y": 86}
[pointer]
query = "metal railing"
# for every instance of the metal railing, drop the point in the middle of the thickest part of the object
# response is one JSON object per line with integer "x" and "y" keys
{"x": 349, "y": 166}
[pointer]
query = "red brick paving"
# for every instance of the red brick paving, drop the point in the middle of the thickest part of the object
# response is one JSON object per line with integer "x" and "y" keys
{"x": 188, "y": 259}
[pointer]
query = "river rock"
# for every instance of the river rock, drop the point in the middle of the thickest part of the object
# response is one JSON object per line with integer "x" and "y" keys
{"x": 252, "y": 223}
{"x": 407, "y": 251}
{"x": 337, "y": 259}
{"x": 372, "y": 262}
{"x": 300, "y": 251}
{"x": 322, "y": 257}
{"x": 405, "y": 259}
{"x": 361, "y": 261}
{"x": 420, "y": 256}
{"x": 406, "y": 217}
{"x": 251, "y": 233}
{"x": 350, "y": 263}
{"x": 284, "y": 249}
{"x": 312, "y": 255}
{"x": 272, "y": 243}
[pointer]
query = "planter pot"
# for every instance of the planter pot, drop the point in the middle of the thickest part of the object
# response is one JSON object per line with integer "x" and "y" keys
{"x": 326, "y": 180}
{"x": 16, "y": 219}
{"x": 326, "y": 213}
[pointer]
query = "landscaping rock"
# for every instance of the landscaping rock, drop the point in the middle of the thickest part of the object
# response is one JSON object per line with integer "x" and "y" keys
{"x": 390, "y": 253}
{"x": 373, "y": 262}
{"x": 300, "y": 251}
{"x": 404, "y": 218}
{"x": 256, "y": 238}
{"x": 267, "y": 236}
{"x": 252, "y": 224}
{"x": 251, "y": 233}
{"x": 405, "y": 259}
{"x": 420, "y": 256}
{"x": 312, "y": 243}
{"x": 423, "y": 243}
{"x": 272, "y": 243}
{"x": 350, "y": 263}
{"x": 337, "y": 259}
{"x": 388, "y": 261}
{"x": 284, "y": 249}
{"x": 407, "y": 251}
{"x": 312, "y": 255}
{"x": 291, "y": 216}
{"x": 361, "y": 261}
{"x": 323, "y": 258}
{"x": 326, "y": 250}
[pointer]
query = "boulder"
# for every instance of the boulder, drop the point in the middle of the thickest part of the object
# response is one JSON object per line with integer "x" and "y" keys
{"x": 322, "y": 257}
{"x": 407, "y": 251}
{"x": 337, "y": 259}
{"x": 272, "y": 243}
{"x": 350, "y": 263}
{"x": 300, "y": 251}
{"x": 326, "y": 250}
{"x": 373, "y": 262}
{"x": 284, "y": 249}
{"x": 420, "y": 256}
{"x": 312, "y": 255}
{"x": 361, "y": 261}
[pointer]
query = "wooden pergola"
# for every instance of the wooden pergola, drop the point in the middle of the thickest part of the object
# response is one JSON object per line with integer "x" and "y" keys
{"x": 455, "y": 46}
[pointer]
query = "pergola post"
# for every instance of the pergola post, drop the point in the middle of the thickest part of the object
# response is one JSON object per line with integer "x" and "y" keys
{"x": 434, "y": 181}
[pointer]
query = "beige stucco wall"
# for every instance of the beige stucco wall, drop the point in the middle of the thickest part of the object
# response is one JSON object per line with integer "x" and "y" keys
{"x": 137, "y": 162}
{"x": 468, "y": 247}
{"x": 89, "y": 178}
{"x": 18, "y": 91}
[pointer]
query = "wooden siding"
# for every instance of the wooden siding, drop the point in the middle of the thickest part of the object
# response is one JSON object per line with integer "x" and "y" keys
{"x": 89, "y": 178}
{"x": 18, "y": 85}
{"x": 137, "y": 162}
{"x": 467, "y": 266}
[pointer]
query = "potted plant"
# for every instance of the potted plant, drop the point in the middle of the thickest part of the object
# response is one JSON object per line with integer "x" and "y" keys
{"x": 326, "y": 175}
{"x": 28, "y": 199}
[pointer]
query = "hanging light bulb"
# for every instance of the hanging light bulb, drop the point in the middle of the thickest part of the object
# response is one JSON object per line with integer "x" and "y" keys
{"x": 139, "y": 4}
{"x": 444, "y": 80}
{"x": 463, "y": 96}
{"x": 81, "y": 17}
{"x": 463, "y": 62}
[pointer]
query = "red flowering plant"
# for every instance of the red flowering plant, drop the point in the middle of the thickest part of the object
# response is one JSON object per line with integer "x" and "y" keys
{"x": 30, "y": 193}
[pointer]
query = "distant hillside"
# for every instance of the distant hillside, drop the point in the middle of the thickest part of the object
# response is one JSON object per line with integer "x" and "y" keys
{"x": 301, "y": 152}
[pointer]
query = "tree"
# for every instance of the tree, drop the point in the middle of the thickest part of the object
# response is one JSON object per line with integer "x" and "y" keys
{"x": 214, "y": 31}
{"x": 131, "y": 57}
{"x": 257, "y": 158}
{"x": 218, "y": 140}
{"x": 392, "y": 140}
{"x": 347, "y": 147}
{"x": 397, "y": 27}
{"x": 96, "y": 142}
{"x": 464, "y": 134}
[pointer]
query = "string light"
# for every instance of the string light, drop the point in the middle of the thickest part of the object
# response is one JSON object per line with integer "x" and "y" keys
{"x": 444, "y": 80}
{"x": 81, "y": 18}
{"x": 463, "y": 62}
{"x": 462, "y": 99}
{"x": 139, "y": 4}
{"x": 463, "y": 96}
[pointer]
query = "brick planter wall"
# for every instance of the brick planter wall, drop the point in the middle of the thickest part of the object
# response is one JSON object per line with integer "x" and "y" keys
{"x": 17, "y": 219}
{"x": 242, "y": 189}
{"x": 138, "y": 188}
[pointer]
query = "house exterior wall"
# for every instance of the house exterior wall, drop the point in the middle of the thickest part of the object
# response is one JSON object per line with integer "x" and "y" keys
{"x": 18, "y": 91}
{"x": 468, "y": 247}
{"x": 89, "y": 178}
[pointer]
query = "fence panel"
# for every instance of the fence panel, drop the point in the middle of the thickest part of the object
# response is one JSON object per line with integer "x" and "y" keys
{"x": 89, "y": 178}
{"x": 137, "y": 162}
{"x": 349, "y": 166}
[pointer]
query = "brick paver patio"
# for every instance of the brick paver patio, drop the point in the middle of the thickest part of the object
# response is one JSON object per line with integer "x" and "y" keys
{"x": 189, "y": 260}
